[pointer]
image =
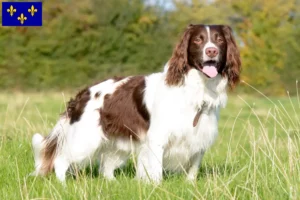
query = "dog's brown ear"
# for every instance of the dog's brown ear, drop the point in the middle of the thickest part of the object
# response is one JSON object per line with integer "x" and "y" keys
{"x": 179, "y": 60}
{"x": 233, "y": 60}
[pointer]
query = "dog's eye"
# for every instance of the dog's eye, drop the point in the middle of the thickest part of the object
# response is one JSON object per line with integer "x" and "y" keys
{"x": 198, "y": 40}
{"x": 220, "y": 40}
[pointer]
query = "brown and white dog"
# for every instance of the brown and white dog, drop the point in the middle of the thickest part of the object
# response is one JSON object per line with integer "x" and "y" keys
{"x": 168, "y": 119}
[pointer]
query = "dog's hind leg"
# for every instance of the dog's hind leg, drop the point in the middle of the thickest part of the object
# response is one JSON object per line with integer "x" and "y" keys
{"x": 46, "y": 149}
{"x": 80, "y": 145}
{"x": 61, "y": 165}
{"x": 110, "y": 161}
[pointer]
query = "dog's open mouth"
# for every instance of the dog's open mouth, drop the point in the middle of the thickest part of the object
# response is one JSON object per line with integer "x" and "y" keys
{"x": 210, "y": 68}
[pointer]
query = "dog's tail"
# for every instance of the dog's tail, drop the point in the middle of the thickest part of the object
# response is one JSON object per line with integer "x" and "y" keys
{"x": 46, "y": 149}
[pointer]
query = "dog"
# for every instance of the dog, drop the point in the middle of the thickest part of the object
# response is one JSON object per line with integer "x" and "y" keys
{"x": 167, "y": 119}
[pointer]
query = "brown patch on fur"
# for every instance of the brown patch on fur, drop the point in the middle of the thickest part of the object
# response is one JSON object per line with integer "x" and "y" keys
{"x": 179, "y": 61}
{"x": 76, "y": 106}
{"x": 233, "y": 61}
{"x": 48, "y": 154}
{"x": 124, "y": 113}
{"x": 196, "y": 118}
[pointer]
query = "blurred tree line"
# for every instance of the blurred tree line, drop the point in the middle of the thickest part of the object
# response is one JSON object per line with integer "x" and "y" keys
{"x": 84, "y": 41}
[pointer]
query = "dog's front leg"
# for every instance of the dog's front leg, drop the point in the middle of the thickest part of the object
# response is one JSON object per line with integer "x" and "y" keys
{"x": 150, "y": 168}
{"x": 156, "y": 162}
{"x": 194, "y": 167}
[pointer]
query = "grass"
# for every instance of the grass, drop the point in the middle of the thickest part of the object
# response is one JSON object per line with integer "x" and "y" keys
{"x": 256, "y": 155}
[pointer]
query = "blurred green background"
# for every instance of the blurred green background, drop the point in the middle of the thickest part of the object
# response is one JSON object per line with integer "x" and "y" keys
{"x": 84, "y": 41}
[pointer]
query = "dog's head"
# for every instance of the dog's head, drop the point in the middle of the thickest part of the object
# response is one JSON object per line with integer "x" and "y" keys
{"x": 210, "y": 49}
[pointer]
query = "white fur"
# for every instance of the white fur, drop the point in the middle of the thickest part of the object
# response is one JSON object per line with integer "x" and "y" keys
{"x": 171, "y": 143}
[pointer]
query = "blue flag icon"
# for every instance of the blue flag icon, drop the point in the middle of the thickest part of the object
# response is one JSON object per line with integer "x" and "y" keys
{"x": 22, "y": 14}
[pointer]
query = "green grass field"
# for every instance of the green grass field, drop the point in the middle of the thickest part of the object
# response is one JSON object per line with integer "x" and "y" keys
{"x": 256, "y": 155}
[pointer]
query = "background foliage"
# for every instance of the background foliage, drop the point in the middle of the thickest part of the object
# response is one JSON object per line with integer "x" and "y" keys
{"x": 84, "y": 41}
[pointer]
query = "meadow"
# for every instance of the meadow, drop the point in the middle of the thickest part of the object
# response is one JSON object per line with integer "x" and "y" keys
{"x": 256, "y": 155}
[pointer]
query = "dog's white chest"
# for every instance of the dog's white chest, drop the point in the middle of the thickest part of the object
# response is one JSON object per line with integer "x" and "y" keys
{"x": 183, "y": 145}
{"x": 179, "y": 149}
{"x": 172, "y": 114}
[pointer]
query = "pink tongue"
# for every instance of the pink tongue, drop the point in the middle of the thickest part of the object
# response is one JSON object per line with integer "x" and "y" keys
{"x": 210, "y": 71}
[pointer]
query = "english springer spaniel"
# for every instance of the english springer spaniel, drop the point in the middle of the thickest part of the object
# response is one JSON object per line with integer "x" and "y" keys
{"x": 167, "y": 119}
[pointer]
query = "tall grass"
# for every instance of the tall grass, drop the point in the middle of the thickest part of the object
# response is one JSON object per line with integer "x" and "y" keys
{"x": 256, "y": 155}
